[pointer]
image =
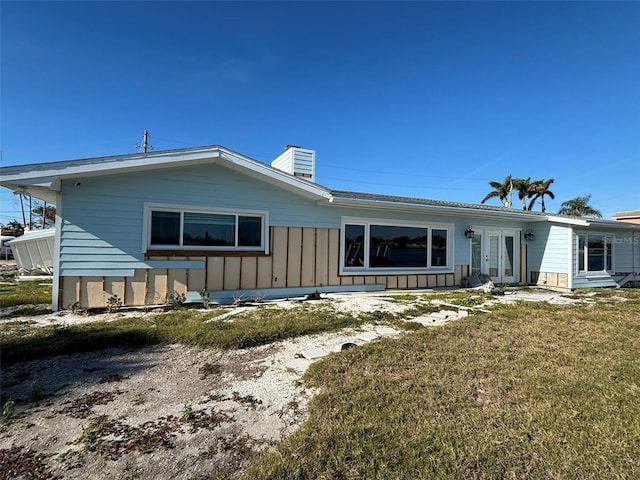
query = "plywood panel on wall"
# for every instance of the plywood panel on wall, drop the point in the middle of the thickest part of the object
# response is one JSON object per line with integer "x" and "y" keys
{"x": 92, "y": 292}
{"x": 523, "y": 263}
{"x": 196, "y": 277}
{"x": 308, "y": 273}
{"x": 177, "y": 281}
{"x": 264, "y": 272}
{"x": 422, "y": 281}
{"x": 156, "y": 286}
{"x": 402, "y": 281}
{"x": 115, "y": 287}
{"x": 412, "y": 281}
{"x": 322, "y": 256}
{"x": 294, "y": 257}
{"x": 432, "y": 281}
{"x": 441, "y": 280}
{"x": 232, "y": 273}
{"x": 279, "y": 249}
{"x": 334, "y": 255}
{"x": 215, "y": 273}
{"x": 458, "y": 275}
{"x": 136, "y": 288}
{"x": 248, "y": 273}
{"x": 392, "y": 282}
{"x": 70, "y": 291}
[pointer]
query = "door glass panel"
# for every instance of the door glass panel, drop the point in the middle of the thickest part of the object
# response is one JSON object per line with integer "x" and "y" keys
{"x": 493, "y": 256}
{"x": 476, "y": 254}
{"x": 508, "y": 255}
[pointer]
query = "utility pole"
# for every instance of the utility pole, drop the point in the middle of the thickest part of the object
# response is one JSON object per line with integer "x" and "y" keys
{"x": 145, "y": 143}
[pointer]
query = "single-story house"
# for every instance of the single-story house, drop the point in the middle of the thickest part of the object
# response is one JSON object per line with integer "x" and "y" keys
{"x": 141, "y": 228}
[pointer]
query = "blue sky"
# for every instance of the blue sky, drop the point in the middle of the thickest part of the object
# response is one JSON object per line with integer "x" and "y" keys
{"x": 426, "y": 99}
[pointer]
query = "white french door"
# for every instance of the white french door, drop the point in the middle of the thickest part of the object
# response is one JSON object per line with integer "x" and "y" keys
{"x": 496, "y": 253}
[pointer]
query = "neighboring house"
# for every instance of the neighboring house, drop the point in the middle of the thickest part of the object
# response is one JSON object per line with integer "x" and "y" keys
{"x": 143, "y": 227}
{"x": 631, "y": 217}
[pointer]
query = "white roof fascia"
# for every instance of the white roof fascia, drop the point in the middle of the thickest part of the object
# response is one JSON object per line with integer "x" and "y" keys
{"x": 459, "y": 211}
{"x": 568, "y": 220}
{"x": 594, "y": 223}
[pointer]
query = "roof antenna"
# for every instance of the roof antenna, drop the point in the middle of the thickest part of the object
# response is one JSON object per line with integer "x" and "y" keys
{"x": 145, "y": 143}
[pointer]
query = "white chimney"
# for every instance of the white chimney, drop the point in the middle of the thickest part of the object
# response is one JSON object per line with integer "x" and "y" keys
{"x": 297, "y": 161}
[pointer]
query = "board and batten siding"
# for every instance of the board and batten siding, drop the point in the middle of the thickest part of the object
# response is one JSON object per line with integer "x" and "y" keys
{"x": 301, "y": 257}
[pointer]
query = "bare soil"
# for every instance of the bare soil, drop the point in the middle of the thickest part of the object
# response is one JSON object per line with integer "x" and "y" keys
{"x": 163, "y": 412}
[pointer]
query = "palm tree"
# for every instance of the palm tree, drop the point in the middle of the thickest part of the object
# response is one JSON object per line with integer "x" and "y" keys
{"x": 501, "y": 190}
{"x": 579, "y": 207}
{"x": 523, "y": 186}
{"x": 539, "y": 189}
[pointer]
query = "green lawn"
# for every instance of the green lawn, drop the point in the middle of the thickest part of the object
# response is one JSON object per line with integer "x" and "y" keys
{"x": 13, "y": 294}
{"x": 528, "y": 391}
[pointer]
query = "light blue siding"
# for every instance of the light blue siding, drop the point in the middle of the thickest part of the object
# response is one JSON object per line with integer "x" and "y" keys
{"x": 103, "y": 228}
{"x": 549, "y": 250}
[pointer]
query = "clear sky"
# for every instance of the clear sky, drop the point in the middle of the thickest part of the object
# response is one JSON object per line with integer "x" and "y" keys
{"x": 425, "y": 99}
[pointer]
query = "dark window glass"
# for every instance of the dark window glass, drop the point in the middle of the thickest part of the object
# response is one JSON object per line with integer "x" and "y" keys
{"x": 209, "y": 229}
{"x": 438, "y": 248}
{"x": 165, "y": 228}
{"x": 249, "y": 231}
{"x": 354, "y": 245}
{"x": 609, "y": 245}
{"x": 595, "y": 251}
{"x": 392, "y": 246}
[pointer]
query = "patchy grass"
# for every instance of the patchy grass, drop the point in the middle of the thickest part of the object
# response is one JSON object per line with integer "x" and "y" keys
{"x": 24, "y": 293}
{"x": 528, "y": 391}
{"x": 258, "y": 327}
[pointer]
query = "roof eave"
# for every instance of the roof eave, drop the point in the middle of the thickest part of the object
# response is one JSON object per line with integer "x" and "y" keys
{"x": 50, "y": 176}
{"x": 452, "y": 210}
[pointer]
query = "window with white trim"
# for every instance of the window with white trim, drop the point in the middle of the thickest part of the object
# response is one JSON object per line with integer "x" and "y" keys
{"x": 205, "y": 230}
{"x": 384, "y": 246}
{"x": 595, "y": 253}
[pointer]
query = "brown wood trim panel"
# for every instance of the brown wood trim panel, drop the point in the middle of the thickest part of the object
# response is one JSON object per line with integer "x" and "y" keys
{"x": 202, "y": 253}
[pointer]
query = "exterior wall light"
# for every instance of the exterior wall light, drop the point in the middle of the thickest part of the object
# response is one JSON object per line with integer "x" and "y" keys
{"x": 528, "y": 235}
{"x": 469, "y": 233}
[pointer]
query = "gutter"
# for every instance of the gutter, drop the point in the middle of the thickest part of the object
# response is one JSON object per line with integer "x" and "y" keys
{"x": 466, "y": 211}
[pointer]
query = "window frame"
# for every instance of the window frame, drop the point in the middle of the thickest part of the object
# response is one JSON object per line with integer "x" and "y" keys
{"x": 147, "y": 246}
{"x": 609, "y": 251}
{"x": 366, "y": 269}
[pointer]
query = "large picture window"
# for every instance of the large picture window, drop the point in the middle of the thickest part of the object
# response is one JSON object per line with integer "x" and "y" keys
{"x": 177, "y": 228}
{"x": 385, "y": 247}
{"x": 595, "y": 253}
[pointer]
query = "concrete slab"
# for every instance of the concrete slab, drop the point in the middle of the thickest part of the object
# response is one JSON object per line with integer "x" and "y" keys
{"x": 387, "y": 332}
{"x": 314, "y": 353}
{"x": 368, "y": 336}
